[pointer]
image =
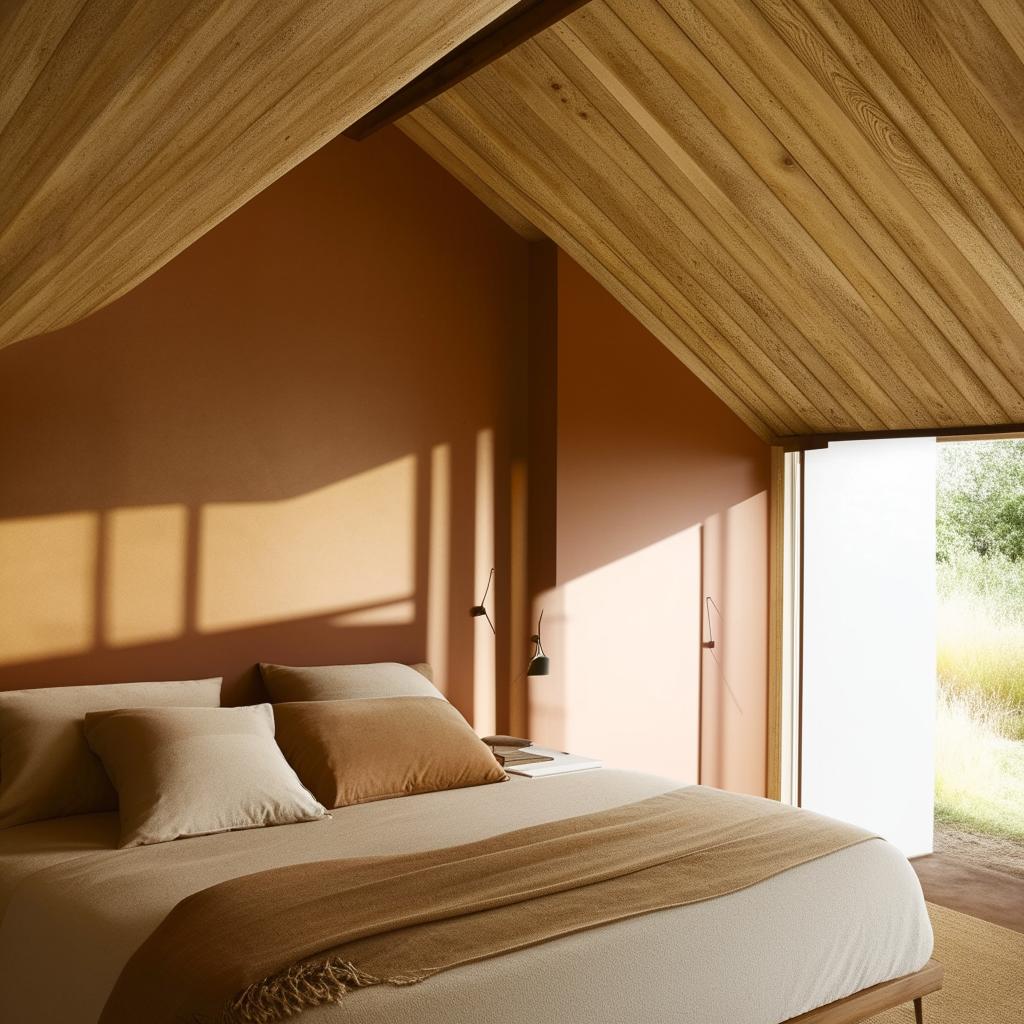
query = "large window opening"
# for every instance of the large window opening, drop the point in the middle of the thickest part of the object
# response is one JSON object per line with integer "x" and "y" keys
{"x": 979, "y": 740}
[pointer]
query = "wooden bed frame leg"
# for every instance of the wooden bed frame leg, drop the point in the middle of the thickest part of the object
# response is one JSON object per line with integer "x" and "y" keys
{"x": 919, "y": 1010}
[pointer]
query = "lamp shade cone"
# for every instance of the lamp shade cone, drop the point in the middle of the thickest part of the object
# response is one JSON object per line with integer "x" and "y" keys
{"x": 539, "y": 666}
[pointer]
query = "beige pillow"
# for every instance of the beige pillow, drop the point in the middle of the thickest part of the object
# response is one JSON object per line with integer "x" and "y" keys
{"x": 194, "y": 771}
{"x": 355, "y": 751}
{"x": 348, "y": 682}
{"x": 46, "y": 768}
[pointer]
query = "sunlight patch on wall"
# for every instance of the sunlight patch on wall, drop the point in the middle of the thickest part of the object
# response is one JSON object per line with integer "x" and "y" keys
{"x": 484, "y": 663}
{"x": 624, "y": 643}
{"x": 398, "y": 613}
{"x": 144, "y": 593}
{"x": 345, "y": 546}
{"x": 519, "y": 626}
{"x": 439, "y": 562}
{"x": 47, "y": 585}
{"x": 735, "y": 696}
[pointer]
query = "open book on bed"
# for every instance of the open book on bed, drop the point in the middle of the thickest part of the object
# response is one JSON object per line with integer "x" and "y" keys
{"x": 519, "y": 756}
{"x": 542, "y": 761}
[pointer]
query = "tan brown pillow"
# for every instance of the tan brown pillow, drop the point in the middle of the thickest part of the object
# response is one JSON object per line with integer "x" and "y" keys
{"x": 355, "y": 751}
{"x": 194, "y": 771}
{"x": 46, "y": 767}
{"x": 348, "y": 682}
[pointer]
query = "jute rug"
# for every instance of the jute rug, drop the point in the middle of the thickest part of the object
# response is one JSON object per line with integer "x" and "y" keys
{"x": 984, "y": 980}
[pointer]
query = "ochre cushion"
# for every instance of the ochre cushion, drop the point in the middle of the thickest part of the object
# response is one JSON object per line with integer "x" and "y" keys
{"x": 46, "y": 767}
{"x": 347, "y": 682}
{"x": 194, "y": 771}
{"x": 355, "y": 751}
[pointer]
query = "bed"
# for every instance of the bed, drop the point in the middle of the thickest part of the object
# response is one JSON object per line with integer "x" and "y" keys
{"x": 74, "y": 909}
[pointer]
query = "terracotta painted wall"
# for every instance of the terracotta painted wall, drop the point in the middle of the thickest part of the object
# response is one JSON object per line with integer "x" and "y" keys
{"x": 291, "y": 444}
{"x": 302, "y": 441}
{"x": 661, "y": 503}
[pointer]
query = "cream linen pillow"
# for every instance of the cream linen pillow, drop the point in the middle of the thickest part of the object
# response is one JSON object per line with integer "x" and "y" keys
{"x": 347, "y": 682}
{"x": 194, "y": 771}
{"x": 46, "y": 768}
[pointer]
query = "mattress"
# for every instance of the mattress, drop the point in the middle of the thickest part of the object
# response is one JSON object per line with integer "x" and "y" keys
{"x": 74, "y": 909}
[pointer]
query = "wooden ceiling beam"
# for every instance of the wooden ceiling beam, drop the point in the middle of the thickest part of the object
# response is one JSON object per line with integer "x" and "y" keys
{"x": 983, "y": 432}
{"x": 518, "y": 24}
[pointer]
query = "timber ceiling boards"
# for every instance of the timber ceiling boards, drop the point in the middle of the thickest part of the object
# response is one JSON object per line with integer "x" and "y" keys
{"x": 817, "y": 204}
{"x": 129, "y": 129}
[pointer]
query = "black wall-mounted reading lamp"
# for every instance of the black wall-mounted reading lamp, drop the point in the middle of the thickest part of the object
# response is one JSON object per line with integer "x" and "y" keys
{"x": 708, "y": 605}
{"x": 540, "y": 663}
{"x": 481, "y": 609}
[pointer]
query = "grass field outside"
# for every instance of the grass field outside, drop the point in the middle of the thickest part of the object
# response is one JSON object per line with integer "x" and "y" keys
{"x": 979, "y": 782}
{"x": 979, "y": 778}
{"x": 981, "y": 636}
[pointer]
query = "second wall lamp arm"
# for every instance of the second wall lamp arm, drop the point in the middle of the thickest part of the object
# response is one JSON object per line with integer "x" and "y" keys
{"x": 481, "y": 609}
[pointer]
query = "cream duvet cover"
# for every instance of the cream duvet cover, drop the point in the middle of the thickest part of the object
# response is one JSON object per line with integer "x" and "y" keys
{"x": 73, "y": 909}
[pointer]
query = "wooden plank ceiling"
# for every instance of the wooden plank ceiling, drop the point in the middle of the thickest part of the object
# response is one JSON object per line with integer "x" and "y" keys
{"x": 817, "y": 204}
{"x": 128, "y": 129}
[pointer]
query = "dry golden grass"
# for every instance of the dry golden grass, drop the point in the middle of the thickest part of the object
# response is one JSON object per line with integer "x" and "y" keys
{"x": 979, "y": 771}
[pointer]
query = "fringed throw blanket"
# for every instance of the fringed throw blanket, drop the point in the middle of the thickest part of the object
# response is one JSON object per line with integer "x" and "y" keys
{"x": 265, "y": 946}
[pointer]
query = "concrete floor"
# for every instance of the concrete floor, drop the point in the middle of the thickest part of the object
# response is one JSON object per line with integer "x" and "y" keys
{"x": 981, "y": 892}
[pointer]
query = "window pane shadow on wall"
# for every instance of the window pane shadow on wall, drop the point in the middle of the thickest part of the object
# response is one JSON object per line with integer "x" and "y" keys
{"x": 361, "y": 569}
{"x": 268, "y": 450}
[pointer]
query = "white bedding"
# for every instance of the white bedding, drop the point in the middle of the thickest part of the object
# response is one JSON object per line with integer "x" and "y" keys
{"x": 74, "y": 909}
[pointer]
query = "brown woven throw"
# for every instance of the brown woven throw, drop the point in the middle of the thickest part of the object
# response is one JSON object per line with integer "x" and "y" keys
{"x": 265, "y": 946}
